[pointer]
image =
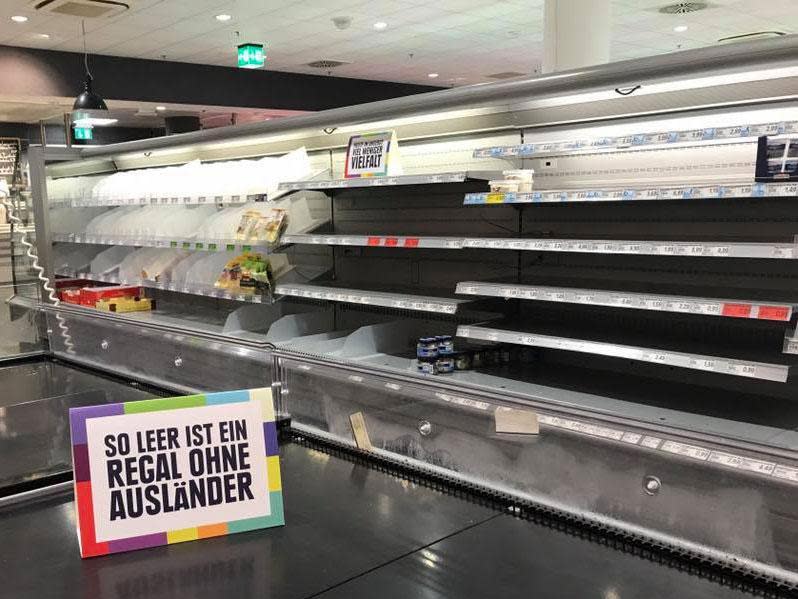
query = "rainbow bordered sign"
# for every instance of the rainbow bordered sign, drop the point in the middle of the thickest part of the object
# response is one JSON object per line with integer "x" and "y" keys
{"x": 372, "y": 155}
{"x": 164, "y": 471}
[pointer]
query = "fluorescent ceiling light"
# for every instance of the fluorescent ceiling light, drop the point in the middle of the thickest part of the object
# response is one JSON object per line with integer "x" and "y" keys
{"x": 160, "y": 108}
{"x": 93, "y": 121}
{"x": 680, "y": 28}
{"x": 432, "y": 75}
{"x": 223, "y": 17}
{"x": 380, "y": 25}
{"x": 19, "y": 19}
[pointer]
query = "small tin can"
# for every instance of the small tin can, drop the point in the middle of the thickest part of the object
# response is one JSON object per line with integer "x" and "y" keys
{"x": 445, "y": 364}
{"x": 427, "y": 347}
{"x": 427, "y": 366}
{"x": 445, "y": 344}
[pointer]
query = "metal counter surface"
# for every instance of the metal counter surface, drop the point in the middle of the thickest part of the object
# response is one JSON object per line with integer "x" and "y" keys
{"x": 351, "y": 531}
{"x": 35, "y": 398}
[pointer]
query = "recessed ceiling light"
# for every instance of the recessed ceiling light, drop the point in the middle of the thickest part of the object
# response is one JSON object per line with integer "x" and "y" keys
{"x": 160, "y": 108}
{"x": 432, "y": 75}
{"x": 19, "y": 18}
{"x": 44, "y": 36}
{"x": 380, "y": 25}
{"x": 223, "y": 17}
{"x": 680, "y": 28}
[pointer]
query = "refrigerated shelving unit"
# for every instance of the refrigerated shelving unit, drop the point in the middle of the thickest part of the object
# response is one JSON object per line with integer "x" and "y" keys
{"x": 644, "y": 294}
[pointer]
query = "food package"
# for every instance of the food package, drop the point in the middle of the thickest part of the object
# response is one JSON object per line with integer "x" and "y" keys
{"x": 90, "y": 296}
{"x": 126, "y": 304}
{"x": 256, "y": 226}
{"x": 249, "y": 272}
{"x": 270, "y": 228}
{"x": 246, "y": 226}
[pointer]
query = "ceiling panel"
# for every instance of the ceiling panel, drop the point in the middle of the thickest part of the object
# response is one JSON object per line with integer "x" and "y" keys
{"x": 462, "y": 40}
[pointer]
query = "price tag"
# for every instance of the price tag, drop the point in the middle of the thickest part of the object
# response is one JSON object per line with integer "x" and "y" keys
{"x": 717, "y": 250}
{"x": 742, "y": 369}
{"x": 774, "y": 313}
{"x": 651, "y": 442}
{"x": 741, "y": 462}
{"x": 690, "y": 451}
{"x": 737, "y": 310}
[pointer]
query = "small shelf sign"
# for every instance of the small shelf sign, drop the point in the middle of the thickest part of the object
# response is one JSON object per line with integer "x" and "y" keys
{"x": 372, "y": 155}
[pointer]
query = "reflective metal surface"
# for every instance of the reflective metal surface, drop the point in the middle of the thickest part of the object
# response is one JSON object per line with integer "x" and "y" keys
{"x": 34, "y": 427}
{"x": 351, "y": 532}
{"x": 594, "y": 473}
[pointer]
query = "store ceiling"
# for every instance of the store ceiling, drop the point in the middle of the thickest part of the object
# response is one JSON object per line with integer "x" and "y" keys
{"x": 464, "y": 41}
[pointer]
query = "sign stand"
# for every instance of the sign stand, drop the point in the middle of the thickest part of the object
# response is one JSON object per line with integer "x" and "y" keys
{"x": 164, "y": 471}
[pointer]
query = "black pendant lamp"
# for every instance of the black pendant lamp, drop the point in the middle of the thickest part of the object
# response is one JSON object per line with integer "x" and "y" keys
{"x": 88, "y": 99}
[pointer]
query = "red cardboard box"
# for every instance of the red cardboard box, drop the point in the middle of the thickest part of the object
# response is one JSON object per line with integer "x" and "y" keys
{"x": 89, "y": 296}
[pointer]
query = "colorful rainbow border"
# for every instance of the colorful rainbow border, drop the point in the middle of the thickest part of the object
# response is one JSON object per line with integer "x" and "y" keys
{"x": 89, "y": 547}
{"x": 366, "y": 136}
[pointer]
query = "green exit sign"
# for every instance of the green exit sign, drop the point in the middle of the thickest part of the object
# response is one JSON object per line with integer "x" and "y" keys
{"x": 251, "y": 56}
{"x": 83, "y": 133}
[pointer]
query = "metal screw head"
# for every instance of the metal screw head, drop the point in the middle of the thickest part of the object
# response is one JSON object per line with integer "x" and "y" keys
{"x": 104, "y": 344}
{"x": 651, "y": 485}
{"x": 424, "y": 428}
{"x": 178, "y": 361}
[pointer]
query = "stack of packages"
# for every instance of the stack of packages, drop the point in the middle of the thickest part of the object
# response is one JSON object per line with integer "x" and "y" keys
{"x": 121, "y": 298}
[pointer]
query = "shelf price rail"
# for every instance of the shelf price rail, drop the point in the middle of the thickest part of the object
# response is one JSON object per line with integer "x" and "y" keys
{"x": 207, "y": 245}
{"x": 729, "y": 366}
{"x": 426, "y": 179}
{"x": 774, "y": 311}
{"x": 626, "y": 194}
{"x": 389, "y": 241}
{"x": 739, "y": 133}
{"x": 696, "y": 249}
{"x": 399, "y": 301}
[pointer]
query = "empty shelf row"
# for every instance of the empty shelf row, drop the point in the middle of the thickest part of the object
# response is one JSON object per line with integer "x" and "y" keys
{"x": 623, "y": 299}
{"x": 729, "y": 366}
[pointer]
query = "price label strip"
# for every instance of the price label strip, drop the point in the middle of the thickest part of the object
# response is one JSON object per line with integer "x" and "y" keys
{"x": 781, "y": 251}
{"x": 374, "y": 298}
{"x": 641, "y": 301}
{"x": 716, "y": 191}
{"x": 548, "y": 148}
{"x": 690, "y": 451}
{"x": 734, "y": 367}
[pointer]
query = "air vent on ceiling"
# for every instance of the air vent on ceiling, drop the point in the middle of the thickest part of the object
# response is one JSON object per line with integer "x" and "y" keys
{"x": 681, "y": 8}
{"x": 326, "y": 64}
{"x": 85, "y": 9}
{"x": 747, "y": 37}
{"x": 505, "y": 75}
